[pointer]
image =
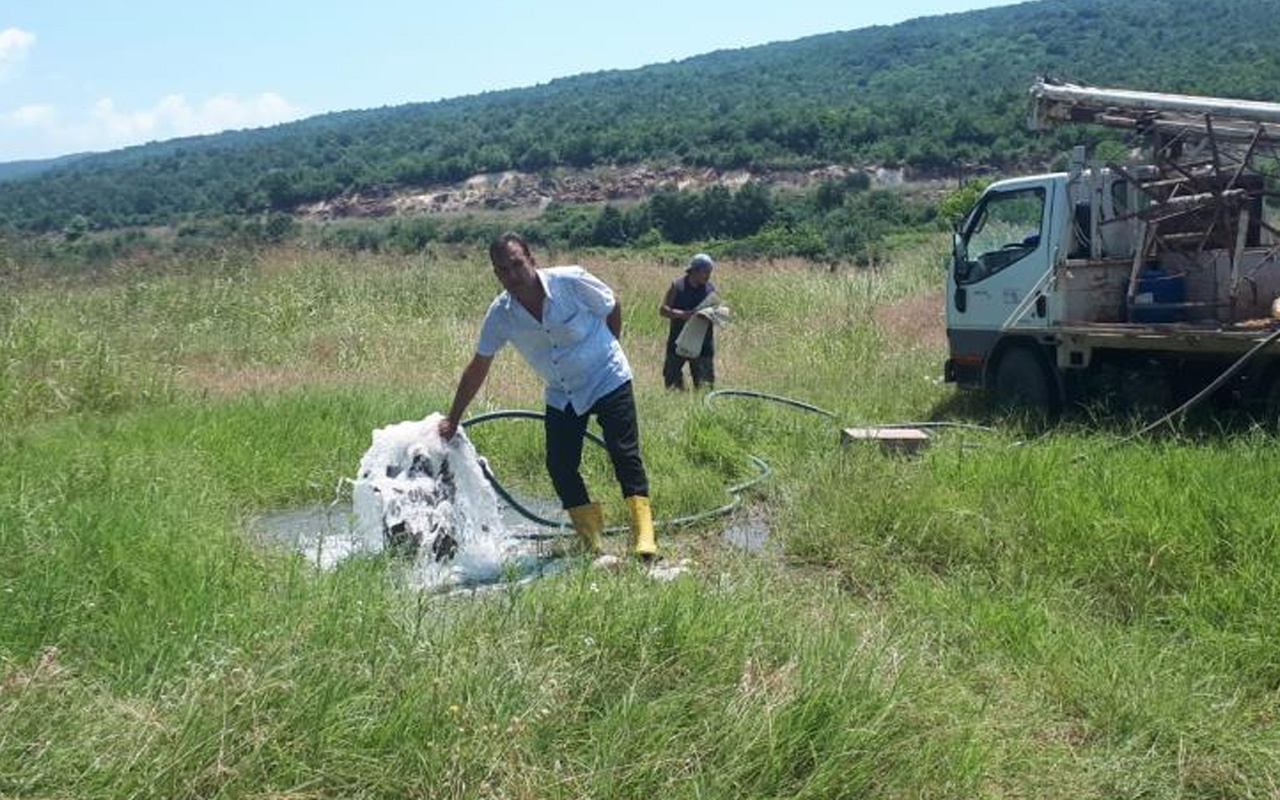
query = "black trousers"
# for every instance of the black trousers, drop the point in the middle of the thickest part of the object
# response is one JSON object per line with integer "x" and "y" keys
{"x": 566, "y": 431}
{"x": 703, "y": 369}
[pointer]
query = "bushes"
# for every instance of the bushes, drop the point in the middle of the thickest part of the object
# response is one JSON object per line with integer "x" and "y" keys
{"x": 838, "y": 220}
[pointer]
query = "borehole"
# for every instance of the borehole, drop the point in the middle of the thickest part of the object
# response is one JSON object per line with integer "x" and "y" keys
{"x": 427, "y": 503}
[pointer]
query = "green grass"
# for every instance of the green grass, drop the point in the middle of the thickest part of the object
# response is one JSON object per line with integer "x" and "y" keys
{"x": 1063, "y": 617}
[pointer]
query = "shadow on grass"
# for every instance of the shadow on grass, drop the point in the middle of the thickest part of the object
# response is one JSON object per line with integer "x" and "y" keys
{"x": 1219, "y": 417}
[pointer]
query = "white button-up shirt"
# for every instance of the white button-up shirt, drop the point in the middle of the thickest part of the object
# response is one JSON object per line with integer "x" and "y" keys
{"x": 571, "y": 348}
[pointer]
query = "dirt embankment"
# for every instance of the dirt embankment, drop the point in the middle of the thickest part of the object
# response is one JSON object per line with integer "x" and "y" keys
{"x": 523, "y": 190}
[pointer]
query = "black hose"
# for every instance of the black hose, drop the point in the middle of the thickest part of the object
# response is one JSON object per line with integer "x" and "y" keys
{"x": 562, "y": 527}
{"x": 1217, "y": 384}
{"x": 777, "y": 398}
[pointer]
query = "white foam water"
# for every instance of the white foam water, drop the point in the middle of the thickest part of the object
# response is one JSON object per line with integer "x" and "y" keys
{"x": 428, "y": 500}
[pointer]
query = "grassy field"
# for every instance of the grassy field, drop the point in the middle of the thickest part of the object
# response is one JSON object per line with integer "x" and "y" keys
{"x": 1007, "y": 617}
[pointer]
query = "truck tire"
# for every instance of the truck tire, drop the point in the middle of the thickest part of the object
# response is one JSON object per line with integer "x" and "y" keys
{"x": 1021, "y": 383}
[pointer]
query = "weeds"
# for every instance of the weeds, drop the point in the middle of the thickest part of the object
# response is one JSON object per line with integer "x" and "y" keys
{"x": 997, "y": 617}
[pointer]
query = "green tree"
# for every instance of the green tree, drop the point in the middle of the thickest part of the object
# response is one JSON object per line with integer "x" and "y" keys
{"x": 610, "y": 228}
{"x": 76, "y": 228}
{"x": 956, "y": 204}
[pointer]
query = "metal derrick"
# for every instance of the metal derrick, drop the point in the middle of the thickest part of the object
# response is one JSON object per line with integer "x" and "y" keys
{"x": 1206, "y": 186}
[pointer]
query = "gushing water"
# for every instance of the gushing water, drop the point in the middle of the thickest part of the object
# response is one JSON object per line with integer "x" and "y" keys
{"x": 426, "y": 500}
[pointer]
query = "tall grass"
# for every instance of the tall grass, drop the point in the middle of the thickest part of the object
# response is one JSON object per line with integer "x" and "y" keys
{"x": 1062, "y": 617}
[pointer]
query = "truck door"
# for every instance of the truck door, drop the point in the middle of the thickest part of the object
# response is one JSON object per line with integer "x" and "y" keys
{"x": 1001, "y": 252}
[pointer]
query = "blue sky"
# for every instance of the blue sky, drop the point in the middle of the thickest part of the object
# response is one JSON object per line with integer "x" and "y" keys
{"x": 77, "y": 76}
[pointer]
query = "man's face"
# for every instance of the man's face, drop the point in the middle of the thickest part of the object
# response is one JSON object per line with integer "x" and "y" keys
{"x": 513, "y": 267}
{"x": 699, "y": 277}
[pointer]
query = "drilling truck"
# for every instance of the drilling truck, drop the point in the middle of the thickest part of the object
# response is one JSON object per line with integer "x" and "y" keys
{"x": 1162, "y": 272}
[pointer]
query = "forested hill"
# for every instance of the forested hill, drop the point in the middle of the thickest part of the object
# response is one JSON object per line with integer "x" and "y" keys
{"x": 929, "y": 93}
{"x": 21, "y": 169}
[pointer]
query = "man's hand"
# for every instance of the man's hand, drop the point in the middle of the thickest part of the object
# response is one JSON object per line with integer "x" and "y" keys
{"x": 472, "y": 379}
{"x": 447, "y": 429}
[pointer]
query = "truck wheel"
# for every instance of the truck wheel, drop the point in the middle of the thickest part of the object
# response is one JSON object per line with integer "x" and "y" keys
{"x": 1021, "y": 383}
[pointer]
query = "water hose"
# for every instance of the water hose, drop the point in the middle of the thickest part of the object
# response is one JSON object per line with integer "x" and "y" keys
{"x": 789, "y": 401}
{"x": 562, "y": 528}
{"x": 776, "y": 398}
{"x": 1214, "y": 386}
{"x": 763, "y": 470}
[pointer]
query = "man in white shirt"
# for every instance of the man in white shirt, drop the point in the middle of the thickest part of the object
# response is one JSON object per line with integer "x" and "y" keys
{"x": 565, "y": 322}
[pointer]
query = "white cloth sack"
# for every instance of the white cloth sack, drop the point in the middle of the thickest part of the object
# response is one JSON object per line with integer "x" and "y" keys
{"x": 709, "y": 312}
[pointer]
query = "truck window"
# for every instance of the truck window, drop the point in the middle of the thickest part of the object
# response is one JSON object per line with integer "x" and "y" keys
{"x": 1004, "y": 230}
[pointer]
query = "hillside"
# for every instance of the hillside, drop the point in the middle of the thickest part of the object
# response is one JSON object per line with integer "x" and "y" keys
{"x": 928, "y": 94}
{"x": 13, "y": 170}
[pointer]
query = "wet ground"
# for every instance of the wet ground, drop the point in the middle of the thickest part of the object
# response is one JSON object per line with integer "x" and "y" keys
{"x": 327, "y": 534}
{"x": 752, "y": 534}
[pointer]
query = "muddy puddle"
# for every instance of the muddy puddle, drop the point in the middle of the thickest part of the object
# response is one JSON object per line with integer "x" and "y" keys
{"x": 425, "y": 501}
{"x": 751, "y": 534}
{"x": 329, "y": 533}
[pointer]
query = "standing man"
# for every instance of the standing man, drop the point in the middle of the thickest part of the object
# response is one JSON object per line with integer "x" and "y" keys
{"x": 683, "y": 296}
{"x": 565, "y": 322}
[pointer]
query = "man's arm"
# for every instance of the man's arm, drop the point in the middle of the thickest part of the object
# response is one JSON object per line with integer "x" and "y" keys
{"x": 666, "y": 310}
{"x": 614, "y": 319}
{"x": 470, "y": 382}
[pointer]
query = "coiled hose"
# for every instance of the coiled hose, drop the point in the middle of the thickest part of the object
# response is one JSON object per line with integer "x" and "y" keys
{"x": 763, "y": 470}
{"x": 562, "y": 528}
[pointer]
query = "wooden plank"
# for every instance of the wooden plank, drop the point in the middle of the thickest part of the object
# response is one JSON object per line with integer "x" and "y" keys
{"x": 905, "y": 441}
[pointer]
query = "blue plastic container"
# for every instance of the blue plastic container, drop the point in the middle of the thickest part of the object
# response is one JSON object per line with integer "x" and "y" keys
{"x": 1155, "y": 288}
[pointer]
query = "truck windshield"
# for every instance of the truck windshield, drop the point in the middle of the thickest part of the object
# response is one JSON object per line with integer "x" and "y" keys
{"x": 1004, "y": 230}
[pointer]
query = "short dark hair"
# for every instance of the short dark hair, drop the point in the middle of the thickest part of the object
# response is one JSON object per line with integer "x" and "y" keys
{"x": 498, "y": 247}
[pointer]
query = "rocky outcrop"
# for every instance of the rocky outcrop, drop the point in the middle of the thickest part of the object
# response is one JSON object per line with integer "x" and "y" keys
{"x": 512, "y": 190}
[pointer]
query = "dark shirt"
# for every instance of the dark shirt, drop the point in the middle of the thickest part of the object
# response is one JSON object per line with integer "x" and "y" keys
{"x": 688, "y": 297}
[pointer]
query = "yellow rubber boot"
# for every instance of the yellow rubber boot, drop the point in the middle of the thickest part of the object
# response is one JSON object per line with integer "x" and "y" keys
{"x": 588, "y": 521}
{"x": 643, "y": 543}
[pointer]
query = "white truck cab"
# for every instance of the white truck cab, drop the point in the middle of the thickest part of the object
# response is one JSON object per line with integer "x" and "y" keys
{"x": 1003, "y": 253}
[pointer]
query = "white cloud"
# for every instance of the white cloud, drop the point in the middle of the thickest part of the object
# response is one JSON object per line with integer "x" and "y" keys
{"x": 105, "y": 126}
{"x": 15, "y": 43}
{"x": 174, "y": 116}
{"x": 34, "y": 116}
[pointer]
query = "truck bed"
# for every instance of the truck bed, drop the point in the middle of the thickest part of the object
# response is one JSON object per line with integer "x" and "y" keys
{"x": 1198, "y": 337}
